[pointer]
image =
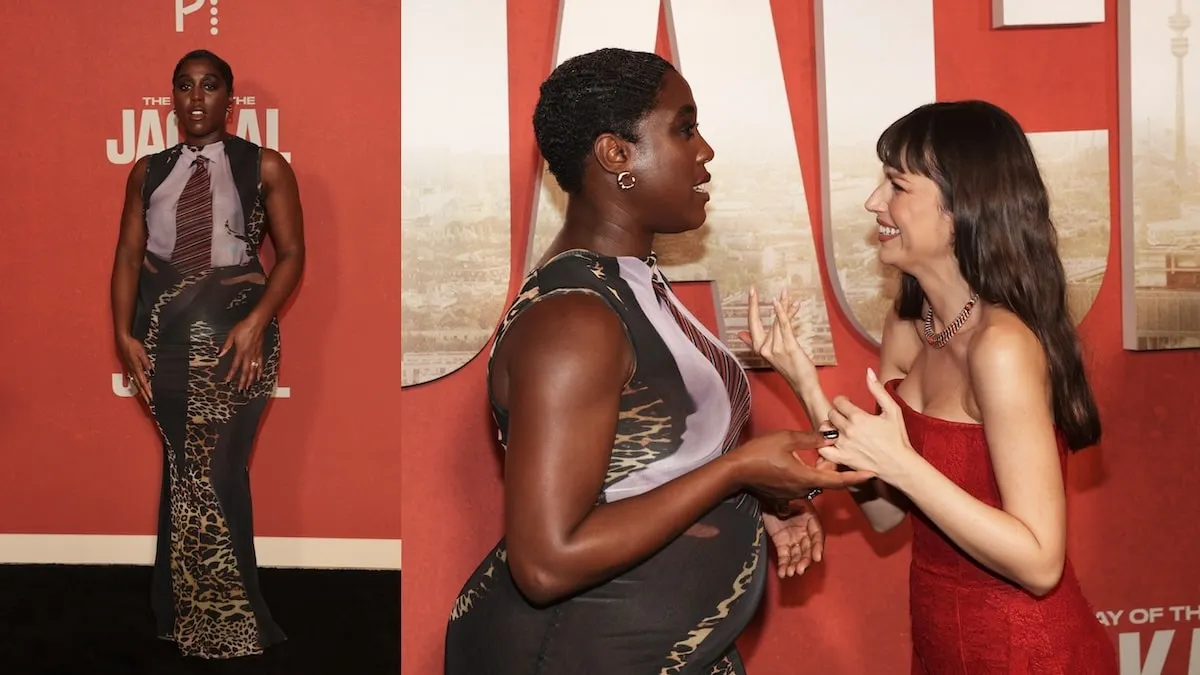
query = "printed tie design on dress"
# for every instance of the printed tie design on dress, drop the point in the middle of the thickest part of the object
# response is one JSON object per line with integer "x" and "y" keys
{"x": 731, "y": 374}
{"x": 193, "y": 222}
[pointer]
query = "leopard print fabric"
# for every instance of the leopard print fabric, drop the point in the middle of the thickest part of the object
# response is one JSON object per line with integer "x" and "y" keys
{"x": 214, "y": 614}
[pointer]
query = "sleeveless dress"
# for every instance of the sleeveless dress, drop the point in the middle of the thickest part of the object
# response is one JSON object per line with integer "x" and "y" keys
{"x": 679, "y": 611}
{"x": 205, "y": 592}
{"x": 966, "y": 620}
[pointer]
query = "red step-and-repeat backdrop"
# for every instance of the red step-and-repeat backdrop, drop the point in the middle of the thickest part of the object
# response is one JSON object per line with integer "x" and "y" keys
{"x": 89, "y": 88}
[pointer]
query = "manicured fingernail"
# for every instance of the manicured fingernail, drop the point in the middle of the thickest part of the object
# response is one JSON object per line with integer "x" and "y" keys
{"x": 871, "y": 375}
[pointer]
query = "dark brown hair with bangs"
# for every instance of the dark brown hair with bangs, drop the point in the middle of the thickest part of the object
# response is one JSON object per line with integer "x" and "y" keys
{"x": 1006, "y": 245}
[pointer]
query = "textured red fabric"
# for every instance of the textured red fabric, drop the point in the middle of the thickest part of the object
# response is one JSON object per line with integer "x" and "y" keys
{"x": 966, "y": 620}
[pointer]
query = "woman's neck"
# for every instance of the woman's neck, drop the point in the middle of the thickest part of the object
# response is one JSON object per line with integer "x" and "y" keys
{"x": 946, "y": 291}
{"x": 605, "y": 228}
{"x": 207, "y": 139}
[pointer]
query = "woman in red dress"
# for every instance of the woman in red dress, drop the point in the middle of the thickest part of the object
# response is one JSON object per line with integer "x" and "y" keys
{"x": 981, "y": 394}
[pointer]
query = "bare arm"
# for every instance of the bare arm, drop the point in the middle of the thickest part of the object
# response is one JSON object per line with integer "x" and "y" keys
{"x": 286, "y": 222}
{"x": 884, "y": 506}
{"x": 568, "y": 364}
{"x": 131, "y": 248}
{"x": 123, "y": 286}
{"x": 1025, "y": 541}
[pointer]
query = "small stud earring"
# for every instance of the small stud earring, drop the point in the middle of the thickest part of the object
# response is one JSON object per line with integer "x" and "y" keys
{"x": 626, "y": 180}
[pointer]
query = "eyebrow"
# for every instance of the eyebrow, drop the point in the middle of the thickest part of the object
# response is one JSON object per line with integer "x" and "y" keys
{"x": 183, "y": 77}
{"x": 685, "y": 110}
{"x": 894, "y": 174}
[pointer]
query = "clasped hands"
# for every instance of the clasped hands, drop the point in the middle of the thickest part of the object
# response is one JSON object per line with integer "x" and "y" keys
{"x": 876, "y": 445}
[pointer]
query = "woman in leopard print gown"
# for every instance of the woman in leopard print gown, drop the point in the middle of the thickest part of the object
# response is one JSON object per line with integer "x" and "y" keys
{"x": 194, "y": 314}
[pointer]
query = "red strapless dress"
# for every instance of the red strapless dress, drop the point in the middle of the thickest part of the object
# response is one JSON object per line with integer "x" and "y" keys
{"x": 967, "y": 620}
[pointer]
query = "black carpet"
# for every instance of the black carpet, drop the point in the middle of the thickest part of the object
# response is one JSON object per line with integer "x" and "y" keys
{"x": 85, "y": 620}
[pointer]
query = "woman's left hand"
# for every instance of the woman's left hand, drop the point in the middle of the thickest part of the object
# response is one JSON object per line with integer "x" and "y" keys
{"x": 777, "y": 344}
{"x": 246, "y": 340}
{"x": 866, "y": 442}
{"x": 799, "y": 540}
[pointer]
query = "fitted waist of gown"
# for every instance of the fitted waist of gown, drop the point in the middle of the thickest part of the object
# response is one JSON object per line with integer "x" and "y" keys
{"x": 936, "y": 557}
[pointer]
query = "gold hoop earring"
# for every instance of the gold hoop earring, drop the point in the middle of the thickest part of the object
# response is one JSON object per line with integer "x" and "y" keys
{"x": 623, "y": 183}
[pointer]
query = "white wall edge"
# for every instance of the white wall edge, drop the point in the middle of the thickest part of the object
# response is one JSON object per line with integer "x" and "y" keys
{"x": 114, "y": 549}
{"x": 1027, "y": 13}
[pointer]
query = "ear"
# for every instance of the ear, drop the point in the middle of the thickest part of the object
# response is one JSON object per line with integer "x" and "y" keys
{"x": 614, "y": 154}
{"x": 947, "y": 219}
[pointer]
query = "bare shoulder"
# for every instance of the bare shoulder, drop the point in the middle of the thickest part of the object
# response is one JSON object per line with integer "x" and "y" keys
{"x": 575, "y": 313}
{"x": 900, "y": 345}
{"x": 569, "y": 333}
{"x": 137, "y": 174}
{"x": 133, "y": 189}
{"x": 139, "y": 167}
{"x": 1006, "y": 365}
{"x": 1004, "y": 344}
{"x": 274, "y": 167}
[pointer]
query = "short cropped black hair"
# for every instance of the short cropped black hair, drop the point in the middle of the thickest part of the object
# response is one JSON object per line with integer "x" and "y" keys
{"x": 217, "y": 62}
{"x": 606, "y": 91}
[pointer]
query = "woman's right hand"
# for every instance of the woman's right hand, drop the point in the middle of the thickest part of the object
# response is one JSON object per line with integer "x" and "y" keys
{"x": 137, "y": 363}
{"x": 778, "y": 344}
{"x": 769, "y": 466}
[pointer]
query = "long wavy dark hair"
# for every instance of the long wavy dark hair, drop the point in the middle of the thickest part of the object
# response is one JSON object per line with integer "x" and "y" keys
{"x": 1006, "y": 244}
